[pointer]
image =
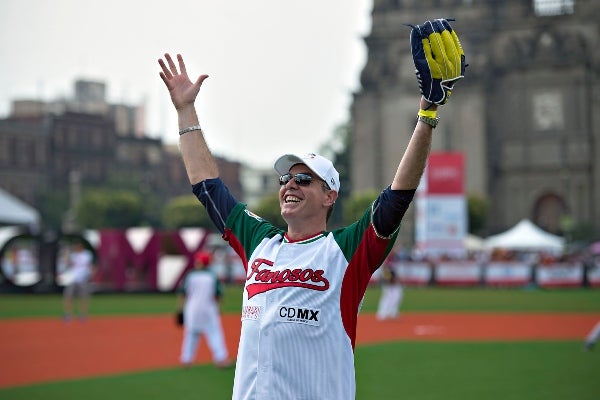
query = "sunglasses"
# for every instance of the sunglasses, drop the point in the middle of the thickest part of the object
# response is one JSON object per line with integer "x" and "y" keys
{"x": 301, "y": 179}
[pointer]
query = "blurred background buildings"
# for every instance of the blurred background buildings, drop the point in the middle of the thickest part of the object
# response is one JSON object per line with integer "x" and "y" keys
{"x": 526, "y": 119}
{"x": 58, "y": 146}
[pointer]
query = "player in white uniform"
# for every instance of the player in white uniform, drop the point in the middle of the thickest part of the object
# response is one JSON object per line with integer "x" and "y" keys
{"x": 391, "y": 292}
{"x": 592, "y": 337}
{"x": 199, "y": 294}
{"x": 81, "y": 264}
{"x": 303, "y": 285}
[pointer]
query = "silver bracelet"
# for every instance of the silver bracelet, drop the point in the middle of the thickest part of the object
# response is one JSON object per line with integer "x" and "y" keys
{"x": 433, "y": 122}
{"x": 189, "y": 129}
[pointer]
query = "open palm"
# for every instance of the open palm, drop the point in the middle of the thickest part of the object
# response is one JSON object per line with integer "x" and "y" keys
{"x": 182, "y": 90}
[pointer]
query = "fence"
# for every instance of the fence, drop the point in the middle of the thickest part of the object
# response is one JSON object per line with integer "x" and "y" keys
{"x": 144, "y": 259}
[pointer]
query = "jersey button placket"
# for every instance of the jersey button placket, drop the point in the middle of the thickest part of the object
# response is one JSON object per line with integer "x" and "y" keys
{"x": 264, "y": 354}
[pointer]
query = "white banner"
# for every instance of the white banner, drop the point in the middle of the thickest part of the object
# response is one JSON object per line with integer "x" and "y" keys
{"x": 442, "y": 228}
{"x": 414, "y": 273}
{"x": 559, "y": 275}
{"x": 507, "y": 274}
{"x": 458, "y": 273}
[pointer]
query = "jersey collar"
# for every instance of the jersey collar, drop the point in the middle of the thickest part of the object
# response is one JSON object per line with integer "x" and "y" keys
{"x": 305, "y": 240}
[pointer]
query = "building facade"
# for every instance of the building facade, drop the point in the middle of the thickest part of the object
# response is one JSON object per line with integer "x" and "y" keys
{"x": 526, "y": 115}
{"x": 47, "y": 146}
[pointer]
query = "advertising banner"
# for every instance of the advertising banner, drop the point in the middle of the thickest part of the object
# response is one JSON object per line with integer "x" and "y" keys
{"x": 458, "y": 273}
{"x": 507, "y": 274}
{"x": 441, "y": 207}
{"x": 414, "y": 273}
{"x": 560, "y": 275}
{"x": 445, "y": 174}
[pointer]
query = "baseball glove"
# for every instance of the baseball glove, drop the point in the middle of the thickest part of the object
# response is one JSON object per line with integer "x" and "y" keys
{"x": 439, "y": 59}
{"x": 179, "y": 317}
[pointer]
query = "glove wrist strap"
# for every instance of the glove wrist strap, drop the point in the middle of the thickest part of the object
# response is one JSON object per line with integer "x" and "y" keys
{"x": 429, "y": 117}
{"x": 428, "y": 113}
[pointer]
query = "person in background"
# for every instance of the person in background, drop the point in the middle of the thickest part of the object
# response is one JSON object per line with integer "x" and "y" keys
{"x": 199, "y": 295}
{"x": 391, "y": 292}
{"x": 80, "y": 270}
{"x": 592, "y": 337}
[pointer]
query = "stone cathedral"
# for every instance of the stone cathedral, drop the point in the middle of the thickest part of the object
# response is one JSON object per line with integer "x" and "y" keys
{"x": 526, "y": 116}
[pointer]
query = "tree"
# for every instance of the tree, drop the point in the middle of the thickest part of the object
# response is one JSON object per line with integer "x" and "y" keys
{"x": 477, "y": 210}
{"x": 355, "y": 206}
{"x": 104, "y": 208}
{"x": 269, "y": 209}
{"x": 337, "y": 149}
{"x": 185, "y": 211}
{"x": 52, "y": 205}
{"x": 144, "y": 186}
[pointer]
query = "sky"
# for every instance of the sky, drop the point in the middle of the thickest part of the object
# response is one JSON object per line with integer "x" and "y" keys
{"x": 282, "y": 73}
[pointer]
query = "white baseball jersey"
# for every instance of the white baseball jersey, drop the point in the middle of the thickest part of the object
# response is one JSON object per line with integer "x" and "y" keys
{"x": 300, "y": 306}
{"x": 201, "y": 315}
{"x": 81, "y": 266}
{"x": 201, "y": 309}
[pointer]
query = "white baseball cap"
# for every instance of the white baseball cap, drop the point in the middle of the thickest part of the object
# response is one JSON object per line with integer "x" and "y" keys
{"x": 318, "y": 164}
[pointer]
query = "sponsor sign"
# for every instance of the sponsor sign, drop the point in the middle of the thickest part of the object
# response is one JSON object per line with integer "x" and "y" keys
{"x": 299, "y": 315}
{"x": 507, "y": 274}
{"x": 458, "y": 273}
{"x": 559, "y": 275}
{"x": 445, "y": 174}
{"x": 414, "y": 273}
{"x": 441, "y": 208}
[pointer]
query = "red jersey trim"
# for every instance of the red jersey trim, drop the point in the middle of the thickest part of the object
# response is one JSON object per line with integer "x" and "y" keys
{"x": 357, "y": 276}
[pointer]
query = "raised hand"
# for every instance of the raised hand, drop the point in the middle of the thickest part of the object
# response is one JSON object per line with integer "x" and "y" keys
{"x": 182, "y": 90}
{"x": 439, "y": 59}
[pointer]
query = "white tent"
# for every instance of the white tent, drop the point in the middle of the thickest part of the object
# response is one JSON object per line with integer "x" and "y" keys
{"x": 473, "y": 242}
{"x": 526, "y": 236}
{"x": 14, "y": 212}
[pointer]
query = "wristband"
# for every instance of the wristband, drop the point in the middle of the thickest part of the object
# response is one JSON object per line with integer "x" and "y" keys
{"x": 429, "y": 121}
{"x": 429, "y": 117}
{"x": 189, "y": 129}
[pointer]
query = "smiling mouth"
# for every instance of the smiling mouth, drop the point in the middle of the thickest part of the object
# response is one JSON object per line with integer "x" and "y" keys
{"x": 292, "y": 199}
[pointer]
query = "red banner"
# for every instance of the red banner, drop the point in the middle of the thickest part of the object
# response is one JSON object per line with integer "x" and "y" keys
{"x": 445, "y": 174}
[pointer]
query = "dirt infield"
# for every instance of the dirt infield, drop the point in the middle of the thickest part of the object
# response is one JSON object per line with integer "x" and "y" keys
{"x": 43, "y": 350}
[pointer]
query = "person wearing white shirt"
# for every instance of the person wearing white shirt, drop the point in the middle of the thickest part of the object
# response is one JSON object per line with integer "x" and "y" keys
{"x": 81, "y": 265}
{"x": 199, "y": 296}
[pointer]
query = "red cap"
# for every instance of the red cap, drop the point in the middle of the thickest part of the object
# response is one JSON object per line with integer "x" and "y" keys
{"x": 203, "y": 257}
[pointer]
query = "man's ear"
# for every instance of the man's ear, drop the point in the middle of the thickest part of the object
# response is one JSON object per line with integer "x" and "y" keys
{"x": 332, "y": 196}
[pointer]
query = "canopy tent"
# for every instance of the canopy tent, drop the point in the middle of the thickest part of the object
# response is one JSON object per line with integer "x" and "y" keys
{"x": 14, "y": 212}
{"x": 473, "y": 243}
{"x": 526, "y": 236}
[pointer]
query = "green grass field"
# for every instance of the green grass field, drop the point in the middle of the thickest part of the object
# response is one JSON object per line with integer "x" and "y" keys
{"x": 415, "y": 299}
{"x": 547, "y": 370}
